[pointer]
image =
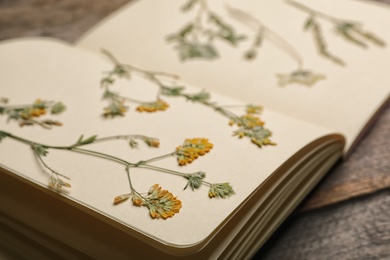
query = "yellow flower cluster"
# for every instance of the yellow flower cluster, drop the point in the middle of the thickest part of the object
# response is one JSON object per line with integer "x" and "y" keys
{"x": 252, "y": 109}
{"x": 161, "y": 203}
{"x": 36, "y": 110}
{"x": 191, "y": 149}
{"x": 248, "y": 121}
{"x": 159, "y": 105}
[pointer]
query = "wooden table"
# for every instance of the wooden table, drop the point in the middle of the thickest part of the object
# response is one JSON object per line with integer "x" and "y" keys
{"x": 346, "y": 217}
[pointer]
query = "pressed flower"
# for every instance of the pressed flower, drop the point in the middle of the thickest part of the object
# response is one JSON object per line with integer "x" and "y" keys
{"x": 191, "y": 149}
{"x": 303, "y": 77}
{"x": 221, "y": 190}
{"x": 152, "y": 142}
{"x": 248, "y": 121}
{"x": 55, "y": 182}
{"x": 162, "y": 203}
{"x": 195, "y": 180}
{"x": 116, "y": 108}
{"x": 58, "y": 108}
{"x": 137, "y": 200}
{"x": 259, "y": 135}
{"x": 121, "y": 198}
{"x": 252, "y": 109}
{"x": 159, "y": 105}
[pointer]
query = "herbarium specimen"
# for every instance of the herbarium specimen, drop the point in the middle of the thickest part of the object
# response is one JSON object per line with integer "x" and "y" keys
{"x": 249, "y": 125}
{"x": 28, "y": 114}
{"x": 196, "y": 39}
{"x": 350, "y": 31}
{"x": 160, "y": 203}
{"x": 300, "y": 75}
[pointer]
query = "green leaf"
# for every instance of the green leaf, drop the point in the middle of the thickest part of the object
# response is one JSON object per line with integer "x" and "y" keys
{"x": 186, "y": 30}
{"x": 58, "y": 108}
{"x": 109, "y": 94}
{"x": 221, "y": 190}
{"x": 107, "y": 81}
{"x": 172, "y": 91}
{"x": 122, "y": 72}
{"x": 202, "y": 96}
{"x": 133, "y": 144}
{"x": 231, "y": 37}
{"x": 189, "y": 51}
{"x": 182, "y": 34}
{"x": 309, "y": 22}
{"x": 189, "y": 5}
{"x": 40, "y": 150}
{"x": 195, "y": 180}
{"x": 82, "y": 141}
{"x": 2, "y": 135}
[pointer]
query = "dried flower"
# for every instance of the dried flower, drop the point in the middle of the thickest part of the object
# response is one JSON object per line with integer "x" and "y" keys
{"x": 303, "y": 77}
{"x": 161, "y": 203}
{"x": 56, "y": 182}
{"x": 27, "y": 115}
{"x": 195, "y": 40}
{"x": 121, "y": 198}
{"x": 259, "y": 135}
{"x": 152, "y": 142}
{"x": 350, "y": 31}
{"x": 158, "y": 105}
{"x": 191, "y": 149}
{"x": 115, "y": 108}
{"x": 221, "y": 190}
{"x": 137, "y": 200}
{"x": 195, "y": 180}
{"x": 250, "y": 121}
{"x": 253, "y": 109}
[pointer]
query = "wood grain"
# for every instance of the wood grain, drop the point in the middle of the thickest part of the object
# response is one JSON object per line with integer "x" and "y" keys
{"x": 354, "y": 229}
{"x": 367, "y": 170}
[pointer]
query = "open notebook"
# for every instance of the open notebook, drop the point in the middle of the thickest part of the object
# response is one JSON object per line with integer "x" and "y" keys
{"x": 305, "y": 129}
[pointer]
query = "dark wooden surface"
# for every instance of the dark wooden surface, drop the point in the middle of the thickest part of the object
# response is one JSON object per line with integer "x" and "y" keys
{"x": 346, "y": 217}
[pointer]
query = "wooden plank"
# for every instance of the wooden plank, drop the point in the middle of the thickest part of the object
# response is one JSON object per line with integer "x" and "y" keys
{"x": 354, "y": 229}
{"x": 367, "y": 169}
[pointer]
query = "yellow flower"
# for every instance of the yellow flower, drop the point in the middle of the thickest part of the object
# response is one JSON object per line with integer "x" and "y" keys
{"x": 121, "y": 198}
{"x": 162, "y": 203}
{"x": 55, "y": 182}
{"x": 249, "y": 121}
{"x": 252, "y": 109}
{"x": 191, "y": 149}
{"x": 152, "y": 142}
{"x": 159, "y": 105}
{"x": 137, "y": 200}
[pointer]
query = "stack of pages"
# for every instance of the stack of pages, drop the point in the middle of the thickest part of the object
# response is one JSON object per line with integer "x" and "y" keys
{"x": 183, "y": 129}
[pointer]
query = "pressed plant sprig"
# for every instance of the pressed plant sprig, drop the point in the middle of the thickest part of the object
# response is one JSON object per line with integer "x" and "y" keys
{"x": 161, "y": 203}
{"x": 350, "y": 31}
{"x": 299, "y": 75}
{"x": 256, "y": 132}
{"x": 28, "y": 114}
{"x": 117, "y": 101}
{"x": 196, "y": 39}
